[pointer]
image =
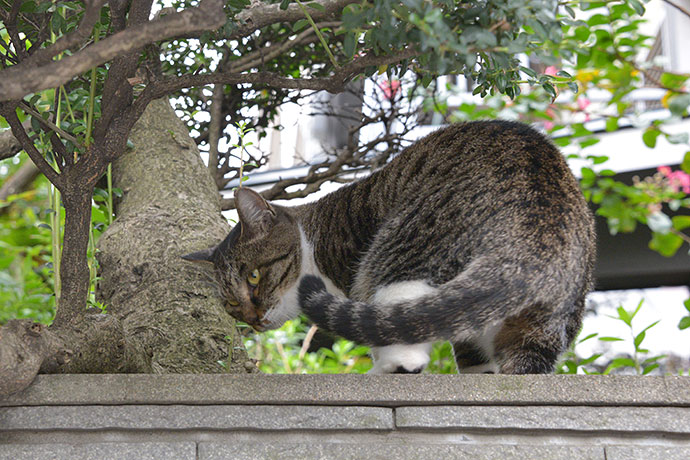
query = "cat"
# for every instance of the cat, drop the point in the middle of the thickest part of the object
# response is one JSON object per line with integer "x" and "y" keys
{"x": 477, "y": 234}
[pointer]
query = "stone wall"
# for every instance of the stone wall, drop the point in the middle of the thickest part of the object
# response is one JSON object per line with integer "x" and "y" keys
{"x": 402, "y": 417}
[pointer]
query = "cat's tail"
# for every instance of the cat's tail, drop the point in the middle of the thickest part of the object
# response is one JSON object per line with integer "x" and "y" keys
{"x": 469, "y": 302}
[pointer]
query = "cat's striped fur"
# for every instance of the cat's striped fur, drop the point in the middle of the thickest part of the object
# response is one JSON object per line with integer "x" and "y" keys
{"x": 477, "y": 234}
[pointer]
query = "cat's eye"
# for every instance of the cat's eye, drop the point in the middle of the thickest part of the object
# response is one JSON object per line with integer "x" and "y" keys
{"x": 232, "y": 302}
{"x": 254, "y": 277}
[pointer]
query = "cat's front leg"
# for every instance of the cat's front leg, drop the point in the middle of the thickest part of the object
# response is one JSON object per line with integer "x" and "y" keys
{"x": 400, "y": 359}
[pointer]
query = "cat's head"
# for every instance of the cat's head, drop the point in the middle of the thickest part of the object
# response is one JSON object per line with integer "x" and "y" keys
{"x": 257, "y": 262}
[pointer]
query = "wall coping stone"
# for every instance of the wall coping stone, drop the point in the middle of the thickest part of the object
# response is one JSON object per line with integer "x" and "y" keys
{"x": 361, "y": 390}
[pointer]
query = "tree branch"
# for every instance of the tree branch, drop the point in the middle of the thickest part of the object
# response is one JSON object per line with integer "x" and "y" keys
{"x": 7, "y": 110}
{"x": 20, "y": 80}
{"x": 268, "y": 53}
{"x": 92, "y": 14}
{"x": 9, "y": 145}
{"x": 264, "y": 14}
{"x": 50, "y": 125}
{"x": 11, "y": 26}
{"x": 19, "y": 181}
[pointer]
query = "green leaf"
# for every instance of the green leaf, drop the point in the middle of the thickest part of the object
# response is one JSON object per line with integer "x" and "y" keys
{"x": 678, "y": 104}
{"x": 528, "y": 71}
{"x": 666, "y": 245}
{"x": 624, "y": 316}
{"x": 649, "y": 137}
{"x": 611, "y": 124}
{"x": 350, "y": 44}
{"x": 589, "y": 142}
{"x": 685, "y": 165}
{"x": 649, "y": 369}
{"x": 672, "y": 80}
{"x": 587, "y": 174}
{"x": 300, "y": 24}
{"x": 316, "y": 6}
{"x": 610, "y": 339}
{"x": 619, "y": 362}
{"x": 680, "y": 222}
{"x": 284, "y": 4}
{"x": 590, "y": 360}
{"x": 639, "y": 338}
{"x": 679, "y": 138}
{"x": 591, "y": 336}
{"x": 684, "y": 323}
{"x": 639, "y": 7}
{"x": 650, "y": 326}
{"x": 548, "y": 87}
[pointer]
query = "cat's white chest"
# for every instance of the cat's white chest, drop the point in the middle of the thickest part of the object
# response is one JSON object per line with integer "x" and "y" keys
{"x": 288, "y": 306}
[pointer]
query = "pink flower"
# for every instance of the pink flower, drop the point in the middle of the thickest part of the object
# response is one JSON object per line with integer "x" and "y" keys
{"x": 677, "y": 180}
{"x": 665, "y": 170}
{"x": 551, "y": 70}
{"x": 390, "y": 88}
{"x": 583, "y": 103}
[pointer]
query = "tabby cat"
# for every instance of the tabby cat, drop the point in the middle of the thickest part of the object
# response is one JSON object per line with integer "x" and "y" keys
{"x": 477, "y": 234}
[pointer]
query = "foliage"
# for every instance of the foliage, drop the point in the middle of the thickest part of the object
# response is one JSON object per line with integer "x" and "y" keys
{"x": 284, "y": 351}
{"x": 26, "y": 289}
{"x": 639, "y": 361}
{"x": 579, "y": 54}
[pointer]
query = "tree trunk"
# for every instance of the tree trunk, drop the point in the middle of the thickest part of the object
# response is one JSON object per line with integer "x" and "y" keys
{"x": 170, "y": 207}
{"x": 163, "y": 313}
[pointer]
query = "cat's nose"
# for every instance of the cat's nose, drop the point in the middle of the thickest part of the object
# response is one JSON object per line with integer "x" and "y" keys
{"x": 249, "y": 315}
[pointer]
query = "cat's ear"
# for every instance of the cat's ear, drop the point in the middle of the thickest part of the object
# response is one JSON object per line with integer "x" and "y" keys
{"x": 256, "y": 214}
{"x": 205, "y": 256}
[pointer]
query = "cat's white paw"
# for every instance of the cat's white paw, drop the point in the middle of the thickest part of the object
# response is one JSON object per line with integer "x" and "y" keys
{"x": 403, "y": 359}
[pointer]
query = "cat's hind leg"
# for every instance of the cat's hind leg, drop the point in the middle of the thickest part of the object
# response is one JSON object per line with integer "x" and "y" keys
{"x": 529, "y": 344}
{"x": 472, "y": 359}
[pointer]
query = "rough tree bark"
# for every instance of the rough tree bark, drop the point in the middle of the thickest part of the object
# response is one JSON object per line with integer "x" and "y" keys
{"x": 170, "y": 207}
{"x": 162, "y": 313}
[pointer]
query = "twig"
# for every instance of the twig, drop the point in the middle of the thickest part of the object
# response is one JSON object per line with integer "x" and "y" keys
{"x": 50, "y": 125}
{"x": 283, "y": 357}
{"x": 256, "y": 58}
{"x": 333, "y": 84}
{"x": 92, "y": 14}
{"x": 7, "y": 110}
{"x": 307, "y": 341}
{"x": 20, "y": 80}
{"x": 318, "y": 34}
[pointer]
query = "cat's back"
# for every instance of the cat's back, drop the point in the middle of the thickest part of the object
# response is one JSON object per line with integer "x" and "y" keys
{"x": 489, "y": 155}
{"x": 501, "y": 167}
{"x": 489, "y": 186}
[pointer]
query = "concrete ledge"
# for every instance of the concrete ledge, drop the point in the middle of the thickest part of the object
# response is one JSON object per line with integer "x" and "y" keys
{"x": 376, "y": 390}
{"x": 216, "y": 451}
{"x": 348, "y": 417}
{"x": 197, "y": 417}
{"x": 578, "y": 418}
{"x": 100, "y": 451}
